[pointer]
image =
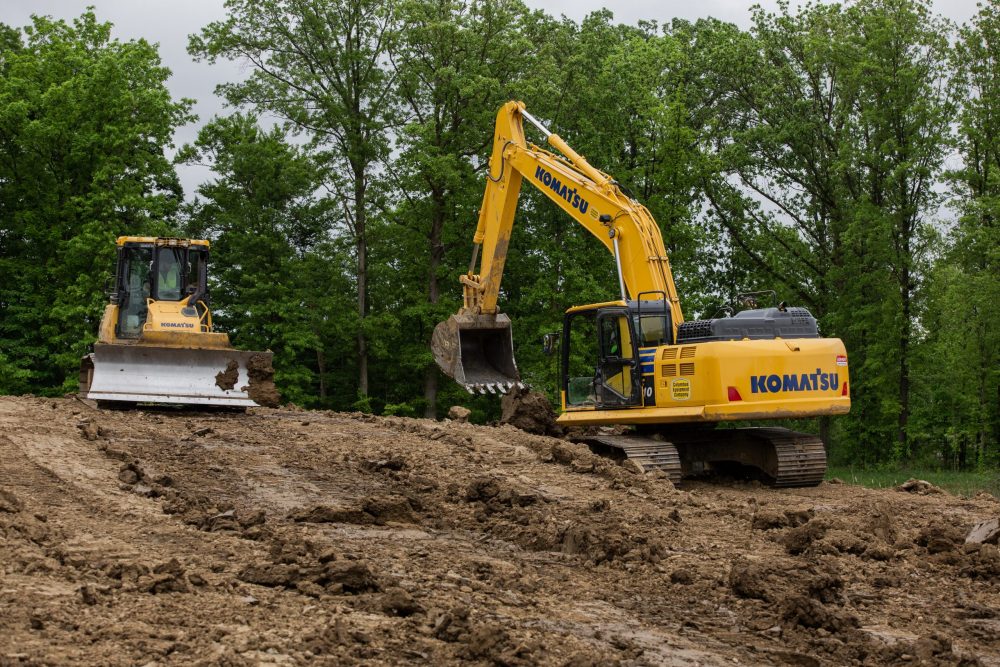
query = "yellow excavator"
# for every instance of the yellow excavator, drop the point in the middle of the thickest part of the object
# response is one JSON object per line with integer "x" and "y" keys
{"x": 634, "y": 361}
{"x": 156, "y": 343}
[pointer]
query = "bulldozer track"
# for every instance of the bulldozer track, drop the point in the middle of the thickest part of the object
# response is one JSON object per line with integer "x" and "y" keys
{"x": 801, "y": 457}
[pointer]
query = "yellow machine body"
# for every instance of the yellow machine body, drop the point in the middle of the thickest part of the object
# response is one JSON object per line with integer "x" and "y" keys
{"x": 156, "y": 342}
{"x": 648, "y": 367}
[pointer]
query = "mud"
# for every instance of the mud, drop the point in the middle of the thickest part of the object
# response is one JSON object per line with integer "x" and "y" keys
{"x": 294, "y": 537}
{"x": 529, "y": 411}
{"x": 262, "y": 389}
{"x": 226, "y": 380}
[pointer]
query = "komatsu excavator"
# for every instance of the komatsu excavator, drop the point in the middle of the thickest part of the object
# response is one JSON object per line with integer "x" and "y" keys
{"x": 156, "y": 343}
{"x": 634, "y": 361}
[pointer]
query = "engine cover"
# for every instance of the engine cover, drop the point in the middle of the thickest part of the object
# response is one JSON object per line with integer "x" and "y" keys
{"x": 761, "y": 323}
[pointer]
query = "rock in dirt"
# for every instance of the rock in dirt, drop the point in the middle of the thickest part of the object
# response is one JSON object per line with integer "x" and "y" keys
{"x": 984, "y": 532}
{"x": 90, "y": 430}
{"x": 459, "y": 414}
{"x": 529, "y": 411}
{"x": 350, "y": 577}
{"x": 397, "y": 602}
{"x": 810, "y": 613}
{"x": 939, "y": 537}
{"x": 261, "y": 389}
{"x": 797, "y": 540}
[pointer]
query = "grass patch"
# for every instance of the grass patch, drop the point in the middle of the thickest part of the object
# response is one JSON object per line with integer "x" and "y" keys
{"x": 959, "y": 483}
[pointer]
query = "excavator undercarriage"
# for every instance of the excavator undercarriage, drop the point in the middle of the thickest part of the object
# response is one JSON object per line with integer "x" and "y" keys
{"x": 779, "y": 457}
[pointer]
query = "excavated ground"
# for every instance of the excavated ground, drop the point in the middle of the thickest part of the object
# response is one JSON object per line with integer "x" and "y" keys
{"x": 289, "y": 537}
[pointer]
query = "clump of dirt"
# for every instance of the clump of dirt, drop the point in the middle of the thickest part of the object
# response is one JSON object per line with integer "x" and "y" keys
{"x": 310, "y": 569}
{"x": 529, "y": 411}
{"x": 227, "y": 379}
{"x": 919, "y": 486}
{"x": 261, "y": 388}
{"x": 9, "y": 502}
{"x": 374, "y": 510}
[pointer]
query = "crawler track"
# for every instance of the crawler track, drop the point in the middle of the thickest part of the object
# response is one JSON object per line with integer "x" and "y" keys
{"x": 650, "y": 454}
{"x": 783, "y": 457}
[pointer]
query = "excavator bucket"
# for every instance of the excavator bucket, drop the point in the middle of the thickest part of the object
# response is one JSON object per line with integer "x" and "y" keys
{"x": 477, "y": 351}
{"x": 176, "y": 375}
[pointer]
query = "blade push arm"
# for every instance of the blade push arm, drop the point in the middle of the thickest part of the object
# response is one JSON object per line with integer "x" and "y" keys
{"x": 588, "y": 195}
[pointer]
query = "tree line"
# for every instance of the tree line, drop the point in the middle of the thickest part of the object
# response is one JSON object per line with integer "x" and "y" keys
{"x": 845, "y": 156}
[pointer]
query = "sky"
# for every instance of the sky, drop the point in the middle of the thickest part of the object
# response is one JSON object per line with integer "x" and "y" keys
{"x": 169, "y": 22}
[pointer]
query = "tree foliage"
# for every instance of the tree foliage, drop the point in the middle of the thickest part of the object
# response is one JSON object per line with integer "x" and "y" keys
{"x": 84, "y": 123}
{"x": 845, "y": 155}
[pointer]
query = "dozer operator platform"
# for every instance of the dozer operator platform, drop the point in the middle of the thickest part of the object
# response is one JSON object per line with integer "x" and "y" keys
{"x": 634, "y": 361}
{"x": 156, "y": 342}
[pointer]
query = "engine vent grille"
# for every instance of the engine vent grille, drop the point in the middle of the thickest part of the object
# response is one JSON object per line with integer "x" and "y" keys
{"x": 688, "y": 352}
{"x": 669, "y": 370}
{"x": 669, "y": 353}
{"x": 687, "y": 368}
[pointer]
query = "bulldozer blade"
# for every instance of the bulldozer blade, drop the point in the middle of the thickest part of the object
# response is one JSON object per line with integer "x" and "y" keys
{"x": 477, "y": 351}
{"x": 152, "y": 374}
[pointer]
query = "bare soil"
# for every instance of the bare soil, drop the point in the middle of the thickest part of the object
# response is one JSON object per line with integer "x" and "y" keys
{"x": 291, "y": 537}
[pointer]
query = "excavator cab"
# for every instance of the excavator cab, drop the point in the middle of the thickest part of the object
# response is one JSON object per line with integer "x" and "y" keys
{"x": 607, "y": 351}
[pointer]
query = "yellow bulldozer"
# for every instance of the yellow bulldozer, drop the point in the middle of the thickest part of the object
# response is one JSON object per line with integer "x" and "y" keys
{"x": 634, "y": 361}
{"x": 156, "y": 342}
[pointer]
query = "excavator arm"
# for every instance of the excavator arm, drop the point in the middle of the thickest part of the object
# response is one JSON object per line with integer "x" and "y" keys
{"x": 475, "y": 346}
{"x": 589, "y": 196}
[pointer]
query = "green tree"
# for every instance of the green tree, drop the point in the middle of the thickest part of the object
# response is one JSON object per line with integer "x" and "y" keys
{"x": 959, "y": 390}
{"x": 319, "y": 66}
{"x": 456, "y": 63}
{"x": 832, "y": 133}
{"x": 84, "y": 120}
{"x": 273, "y": 275}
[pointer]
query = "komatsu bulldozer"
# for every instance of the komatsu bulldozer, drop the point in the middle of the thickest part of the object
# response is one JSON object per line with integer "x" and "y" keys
{"x": 634, "y": 361}
{"x": 156, "y": 343}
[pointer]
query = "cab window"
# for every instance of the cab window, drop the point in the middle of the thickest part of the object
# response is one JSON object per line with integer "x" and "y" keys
{"x": 581, "y": 357}
{"x": 169, "y": 274}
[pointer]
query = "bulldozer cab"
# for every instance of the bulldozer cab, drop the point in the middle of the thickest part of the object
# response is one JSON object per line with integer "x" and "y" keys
{"x": 156, "y": 270}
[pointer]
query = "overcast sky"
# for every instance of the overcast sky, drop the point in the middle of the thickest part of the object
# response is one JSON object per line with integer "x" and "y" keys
{"x": 169, "y": 22}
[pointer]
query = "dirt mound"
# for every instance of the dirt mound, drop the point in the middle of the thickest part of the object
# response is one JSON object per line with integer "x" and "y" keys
{"x": 262, "y": 389}
{"x": 529, "y": 411}
{"x": 293, "y": 537}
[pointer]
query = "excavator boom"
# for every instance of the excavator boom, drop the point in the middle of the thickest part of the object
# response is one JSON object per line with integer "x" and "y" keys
{"x": 475, "y": 346}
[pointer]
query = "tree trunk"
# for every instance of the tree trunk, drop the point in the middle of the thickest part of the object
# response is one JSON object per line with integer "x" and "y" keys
{"x": 433, "y": 294}
{"x": 361, "y": 247}
{"x": 904, "y": 363}
{"x": 321, "y": 368}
